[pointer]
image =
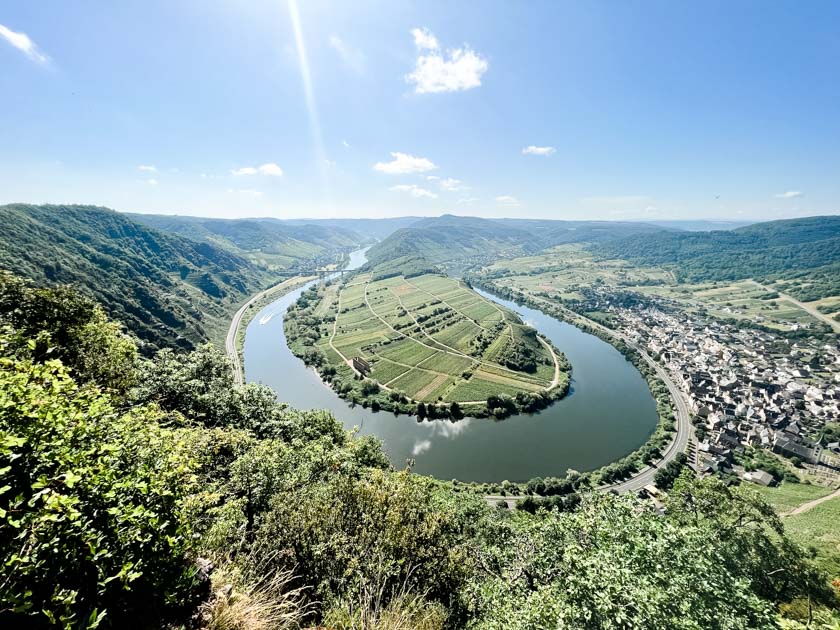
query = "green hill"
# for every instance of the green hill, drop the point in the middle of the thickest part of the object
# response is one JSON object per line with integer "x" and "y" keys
{"x": 771, "y": 250}
{"x": 274, "y": 244}
{"x": 449, "y": 238}
{"x": 377, "y": 229}
{"x": 168, "y": 290}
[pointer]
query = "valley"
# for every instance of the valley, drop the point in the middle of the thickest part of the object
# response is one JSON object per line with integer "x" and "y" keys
{"x": 419, "y": 315}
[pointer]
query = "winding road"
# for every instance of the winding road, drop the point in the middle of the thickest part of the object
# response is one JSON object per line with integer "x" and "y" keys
{"x": 810, "y": 505}
{"x": 230, "y": 340}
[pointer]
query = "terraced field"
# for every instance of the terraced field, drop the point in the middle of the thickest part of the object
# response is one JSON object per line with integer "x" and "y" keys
{"x": 433, "y": 339}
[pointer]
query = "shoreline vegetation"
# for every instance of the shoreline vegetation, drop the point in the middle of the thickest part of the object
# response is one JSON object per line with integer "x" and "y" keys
{"x": 423, "y": 345}
{"x": 621, "y": 469}
{"x": 275, "y": 293}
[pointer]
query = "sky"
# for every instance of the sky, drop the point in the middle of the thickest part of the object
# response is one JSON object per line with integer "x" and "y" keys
{"x": 313, "y": 109}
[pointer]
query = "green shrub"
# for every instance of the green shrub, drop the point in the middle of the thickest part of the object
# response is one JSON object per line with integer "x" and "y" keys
{"x": 90, "y": 506}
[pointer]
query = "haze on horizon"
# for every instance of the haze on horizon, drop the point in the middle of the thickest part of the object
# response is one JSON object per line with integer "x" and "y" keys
{"x": 314, "y": 109}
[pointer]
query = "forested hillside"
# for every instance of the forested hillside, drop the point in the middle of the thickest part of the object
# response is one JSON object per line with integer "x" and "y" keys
{"x": 277, "y": 245}
{"x": 448, "y": 237}
{"x": 159, "y": 494}
{"x": 374, "y": 228}
{"x": 168, "y": 290}
{"x": 761, "y": 251}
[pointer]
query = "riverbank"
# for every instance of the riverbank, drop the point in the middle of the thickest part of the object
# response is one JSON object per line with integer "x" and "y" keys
{"x": 673, "y": 431}
{"x": 235, "y": 339}
{"x": 607, "y": 413}
{"x": 427, "y": 346}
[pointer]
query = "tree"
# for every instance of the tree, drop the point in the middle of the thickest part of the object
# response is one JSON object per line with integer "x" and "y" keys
{"x": 200, "y": 386}
{"x": 667, "y": 475}
{"x": 60, "y": 323}
{"x": 91, "y": 504}
{"x": 748, "y": 538}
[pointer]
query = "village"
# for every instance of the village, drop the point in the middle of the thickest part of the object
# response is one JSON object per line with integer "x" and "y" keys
{"x": 747, "y": 387}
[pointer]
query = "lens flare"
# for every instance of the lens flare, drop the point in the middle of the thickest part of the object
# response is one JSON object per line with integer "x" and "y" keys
{"x": 309, "y": 93}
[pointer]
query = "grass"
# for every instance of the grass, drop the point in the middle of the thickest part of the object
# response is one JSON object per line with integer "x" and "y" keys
{"x": 788, "y": 496}
{"x": 818, "y": 529}
{"x": 425, "y": 337}
{"x": 253, "y": 600}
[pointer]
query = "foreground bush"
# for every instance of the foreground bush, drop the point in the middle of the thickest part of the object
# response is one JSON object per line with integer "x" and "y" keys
{"x": 90, "y": 506}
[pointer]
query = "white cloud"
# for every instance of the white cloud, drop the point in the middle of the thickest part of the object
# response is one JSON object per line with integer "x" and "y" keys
{"x": 438, "y": 71}
{"x": 266, "y": 169}
{"x": 148, "y": 168}
{"x": 532, "y": 150}
{"x": 271, "y": 169}
{"x": 152, "y": 182}
{"x": 507, "y": 200}
{"x": 420, "y": 447}
{"x": 451, "y": 184}
{"x": 403, "y": 164}
{"x": 245, "y": 170}
{"x": 415, "y": 191}
{"x": 329, "y": 163}
{"x": 790, "y": 194}
{"x": 450, "y": 429}
{"x": 346, "y": 144}
{"x": 22, "y": 42}
{"x": 468, "y": 200}
{"x": 424, "y": 39}
{"x": 432, "y": 178}
{"x": 352, "y": 58}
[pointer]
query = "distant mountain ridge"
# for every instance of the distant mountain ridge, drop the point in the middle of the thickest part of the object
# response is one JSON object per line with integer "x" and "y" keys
{"x": 377, "y": 229}
{"x": 758, "y": 250}
{"x": 450, "y": 237}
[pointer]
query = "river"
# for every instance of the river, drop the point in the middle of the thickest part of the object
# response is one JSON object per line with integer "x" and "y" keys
{"x": 608, "y": 413}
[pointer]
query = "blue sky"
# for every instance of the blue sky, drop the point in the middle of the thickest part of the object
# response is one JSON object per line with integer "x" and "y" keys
{"x": 631, "y": 110}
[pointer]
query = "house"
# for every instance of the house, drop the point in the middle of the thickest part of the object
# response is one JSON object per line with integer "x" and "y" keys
{"x": 790, "y": 448}
{"x": 361, "y": 366}
{"x": 760, "y": 477}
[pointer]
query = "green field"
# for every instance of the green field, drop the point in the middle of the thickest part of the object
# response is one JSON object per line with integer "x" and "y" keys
{"x": 788, "y": 496}
{"x": 564, "y": 270}
{"x": 433, "y": 339}
{"x": 818, "y": 529}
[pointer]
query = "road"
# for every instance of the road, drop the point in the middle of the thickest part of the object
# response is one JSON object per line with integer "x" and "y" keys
{"x": 835, "y": 326}
{"x": 683, "y": 414}
{"x": 230, "y": 341}
{"x": 805, "y": 507}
